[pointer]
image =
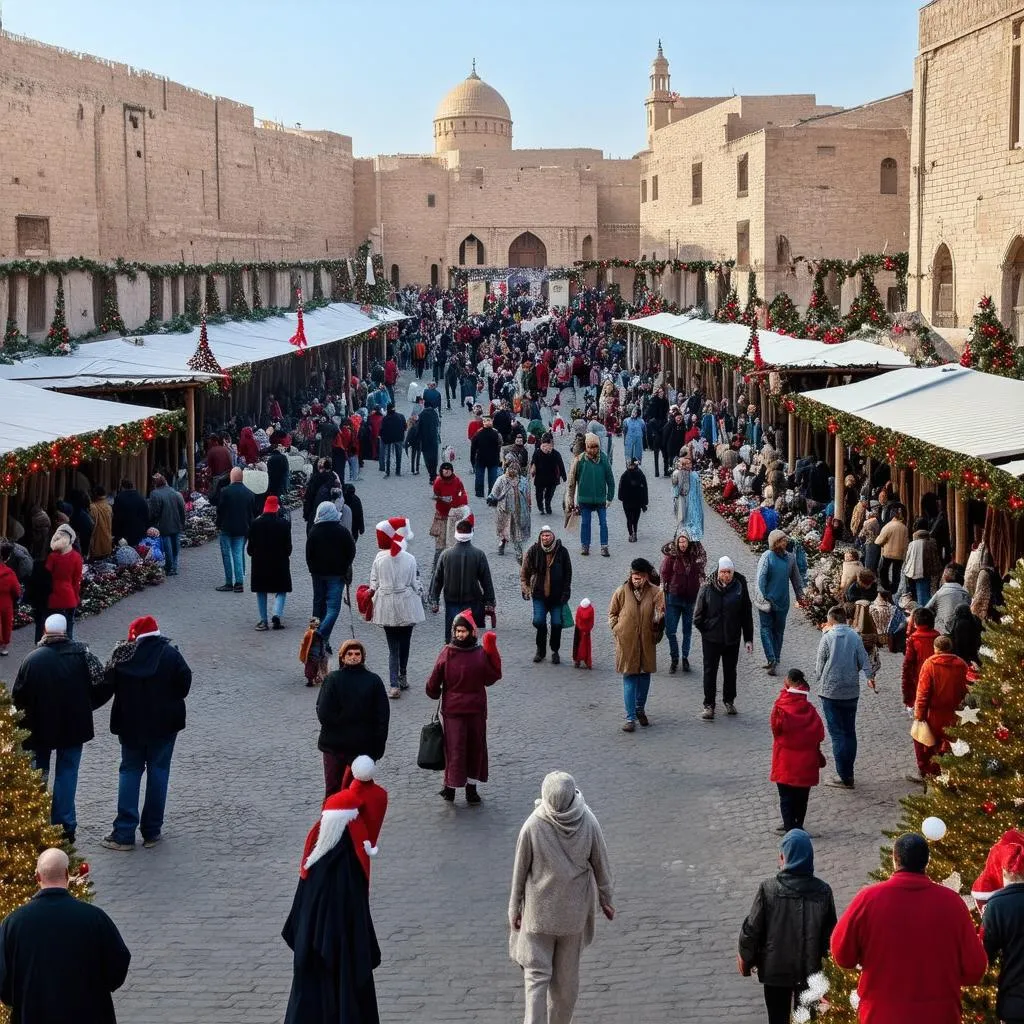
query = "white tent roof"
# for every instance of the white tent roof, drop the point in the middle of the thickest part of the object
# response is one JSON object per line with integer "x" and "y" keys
{"x": 29, "y": 416}
{"x": 163, "y": 358}
{"x": 952, "y": 407}
{"x": 777, "y": 350}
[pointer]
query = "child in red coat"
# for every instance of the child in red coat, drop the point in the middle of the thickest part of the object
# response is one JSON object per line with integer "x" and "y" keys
{"x": 584, "y": 622}
{"x": 797, "y": 732}
{"x": 10, "y": 591}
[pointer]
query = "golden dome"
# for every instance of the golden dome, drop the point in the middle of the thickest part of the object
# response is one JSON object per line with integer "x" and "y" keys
{"x": 473, "y": 98}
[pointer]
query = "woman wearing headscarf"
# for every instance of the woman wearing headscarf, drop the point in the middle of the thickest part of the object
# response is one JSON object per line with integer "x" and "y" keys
{"x": 64, "y": 565}
{"x": 688, "y": 499}
{"x": 683, "y": 567}
{"x": 247, "y": 447}
{"x": 396, "y": 591}
{"x": 510, "y": 499}
{"x": 560, "y": 872}
{"x": 461, "y": 674}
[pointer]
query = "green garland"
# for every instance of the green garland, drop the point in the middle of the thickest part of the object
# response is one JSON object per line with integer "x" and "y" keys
{"x": 127, "y": 439}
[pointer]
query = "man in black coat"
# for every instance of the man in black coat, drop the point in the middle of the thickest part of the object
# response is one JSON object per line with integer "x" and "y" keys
{"x": 485, "y": 456}
{"x": 269, "y": 548}
{"x": 60, "y": 957}
{"x": 354, "y": 714}
{"x": 278, "y": 471}
{"x": 149, "y": 679}
{"x": 546, "y": 579}
{"x": 463, "y": 575}
{"x": 392, "y": 437}
{"x": 723, "y": 613}
{"x": 673, "y": 436}
{"x": 330, "y": 551}
{"x": 130, "y": 515}
{"x": 58, "y": 687}
{"x": 235, "y": 504}
{"x": 430, "y": 439}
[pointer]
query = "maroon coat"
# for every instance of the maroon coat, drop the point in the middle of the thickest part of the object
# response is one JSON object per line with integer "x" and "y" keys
{"x": 66, "y": 569}
{"x": 798, "y": 732}
{"x": 461, "y": 675}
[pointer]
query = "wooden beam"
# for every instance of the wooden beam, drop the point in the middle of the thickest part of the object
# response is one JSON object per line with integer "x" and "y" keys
{"x": 840, "y": 490}
{"x": 190, "y": 436}
{"x": 791, "y": 440}
{"x": 962, "y": 540}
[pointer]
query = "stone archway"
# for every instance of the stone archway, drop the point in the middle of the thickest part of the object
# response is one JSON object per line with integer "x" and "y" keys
{"x": 1012, "y": 307}
{"x": 943, "y": 293}
{"x": 527, "y": 251}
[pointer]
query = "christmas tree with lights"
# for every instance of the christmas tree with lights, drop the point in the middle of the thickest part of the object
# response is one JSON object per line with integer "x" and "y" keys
{"x": 110, "y": 317}
{"x": 977, "y": 796}
{"x": 58, "y": 337}
{"x": 990, "y": 346}
{"x": 25, "y": 812}
{"x": 203, "y": 360}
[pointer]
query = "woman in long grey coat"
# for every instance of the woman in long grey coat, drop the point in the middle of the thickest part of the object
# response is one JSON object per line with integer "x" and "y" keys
{"x": 561, "y": 872}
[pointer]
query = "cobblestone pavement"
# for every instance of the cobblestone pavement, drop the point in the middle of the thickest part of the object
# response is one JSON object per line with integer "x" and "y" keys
{"x": 686, "y": 805}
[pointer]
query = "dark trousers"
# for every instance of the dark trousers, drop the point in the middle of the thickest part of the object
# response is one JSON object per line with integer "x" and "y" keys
{"x": 779, "y": 1001}
{"x": 339, "y": 460}
{"x": 793, "y": 804}
{"x": 450, "y": 391}
{"x": 632, "y": 517}
{"x": 889, "y": 571}
{"x": 399, "y": 640}
{"x": 545, "y": 492}
{"x": 430, "y": 457}
{"x": 728, "y": 655}
{"x": 335, "y": 764}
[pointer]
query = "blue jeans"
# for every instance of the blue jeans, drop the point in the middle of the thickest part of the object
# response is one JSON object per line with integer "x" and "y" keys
{"x": 677, "y": 610}
{"x": 172, "y": 548}
{"x": 602, "y": 521}
{"x": 153, "y": 758}
{"x": 635, "y": 688}
{"x": 279, "y": 600}
{"x": 773, "y": 629}
{"x": 492, "y": 475}
{"x": 841, "y": 721}
{"x": 65, "y": 783}
{"x": 353, "y": 468}
{"x": 921, "y": 589}
{"x": 396, "y": 448}
{"x": 541, "y": 613}
{"x": 232, "y": 553}
{"x": 327, "y": 591}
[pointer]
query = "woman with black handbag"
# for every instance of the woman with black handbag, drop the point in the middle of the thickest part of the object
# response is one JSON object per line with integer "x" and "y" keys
{"x": 463, "y": 670}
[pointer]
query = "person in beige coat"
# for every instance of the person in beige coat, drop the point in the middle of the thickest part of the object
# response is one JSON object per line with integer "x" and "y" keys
{"x": 560, "y": 872}
{"x": 636, "y": 617}
{"x": 894, "y": 540}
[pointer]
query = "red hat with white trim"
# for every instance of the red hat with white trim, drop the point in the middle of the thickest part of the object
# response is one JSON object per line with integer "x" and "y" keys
{"x": 394, "y": 534}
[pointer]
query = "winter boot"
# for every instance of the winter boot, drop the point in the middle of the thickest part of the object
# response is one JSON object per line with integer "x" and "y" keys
{"x": 542, "y": 643}
{"x": 556, "y": 642}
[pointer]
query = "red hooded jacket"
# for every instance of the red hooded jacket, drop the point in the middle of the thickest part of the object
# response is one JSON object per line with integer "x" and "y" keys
{"x": 920, "y": 647}
{"x": 798, "y": 733}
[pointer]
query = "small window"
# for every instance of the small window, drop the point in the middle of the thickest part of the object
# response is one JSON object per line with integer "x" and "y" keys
{"x": 33, "y": 235}
{"x": 742, "y": 175}
{"x": 654, "y": 187}
{"x": 889, "y": 177}
{"x": 743, "y": 243}
{"x": 643, "y": 190}
{"x": 433, "y": 275}
{"x": 478, "y": 176}
{"x": 892, "y": 301}
{"x": 431, "y": 200}
{"x": 394, "y": 275}
{"x": 833, "y": 289}
{"x": 697, "y": 184}
{"x": 826, "y": 151}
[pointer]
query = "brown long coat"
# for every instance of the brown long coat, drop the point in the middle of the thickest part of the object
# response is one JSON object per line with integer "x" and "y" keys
{"x": 632, "y": 624}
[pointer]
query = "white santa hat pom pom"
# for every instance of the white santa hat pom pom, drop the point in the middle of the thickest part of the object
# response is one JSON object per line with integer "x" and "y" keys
{"x": 363, "y": 768}
{"x": 371, "y": 850}
{"x": 854, "y": 999}
{"x": 585, "y": 603}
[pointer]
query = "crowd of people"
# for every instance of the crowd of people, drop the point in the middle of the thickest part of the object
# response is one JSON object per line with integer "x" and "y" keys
{"x": 507, "y": 375}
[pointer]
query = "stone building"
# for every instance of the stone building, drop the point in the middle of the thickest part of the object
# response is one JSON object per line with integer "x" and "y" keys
{"x": 476, "y": 201}
{"x": 766, "y": 179}
{"x": 966, "y": 221}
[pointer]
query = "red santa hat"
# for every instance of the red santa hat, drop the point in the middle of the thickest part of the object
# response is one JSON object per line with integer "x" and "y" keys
{"x": 394, "y": 534}
{"x": 1006, "y": 855}
{"x": 145, "y": 625}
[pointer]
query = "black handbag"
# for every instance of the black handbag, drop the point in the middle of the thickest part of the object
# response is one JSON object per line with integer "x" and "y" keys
{"x": 431, "y": 752}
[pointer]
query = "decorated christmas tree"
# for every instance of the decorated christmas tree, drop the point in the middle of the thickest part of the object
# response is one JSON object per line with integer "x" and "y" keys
{"x": 237, "y": 305}
{"x": 25, "y": 812}
{"x": 58, "y": 337}
{"x": 212, "y": 306}
{"x": 784, "y": 317}
{"x": 110, "y": 315}
{"x": 978, "y": 795}
{"x": 257, "y": 297}
{"x": 867, "y": 309}
{"x": 990, "y": 346}
{"x": 729, "y": 311}
{"x": 203, "y": 359}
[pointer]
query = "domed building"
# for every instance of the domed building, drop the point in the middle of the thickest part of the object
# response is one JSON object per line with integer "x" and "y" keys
{"x": 476, "y": 202}
{"x": 473, "y": 115}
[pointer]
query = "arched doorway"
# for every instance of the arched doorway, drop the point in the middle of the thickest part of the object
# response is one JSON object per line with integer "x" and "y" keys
{"x": 527, "y": 251}
{"x": 943, "y": 296}
{"x": 433, "y": 275}
{"x": 394, "y": 275}
{"x": 587, "y": 248}
{"x": 1012, "y": 307}
{"x": 471, "y": 250}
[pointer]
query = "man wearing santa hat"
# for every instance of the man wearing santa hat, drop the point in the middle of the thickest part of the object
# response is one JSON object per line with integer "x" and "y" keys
{"x": 150, "y": 680}
{"x": 1002, "y": 927}
{"x": 329, "y": 928}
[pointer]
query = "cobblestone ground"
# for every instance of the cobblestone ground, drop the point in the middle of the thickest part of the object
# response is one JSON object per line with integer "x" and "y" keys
{"x": 686, "y": 805}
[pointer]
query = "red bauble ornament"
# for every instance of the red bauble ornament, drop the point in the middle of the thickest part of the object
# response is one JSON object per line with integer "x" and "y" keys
{"x": 989, "y": 807}
{"x": 1003, "y": 734}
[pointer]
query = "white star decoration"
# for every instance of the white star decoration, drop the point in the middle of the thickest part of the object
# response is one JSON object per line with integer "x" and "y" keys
{"x": 968, "y": 716}
{"x": 954, "y": 881}
{"x": 960, "y": 748}
{"x": 943, "y": 778}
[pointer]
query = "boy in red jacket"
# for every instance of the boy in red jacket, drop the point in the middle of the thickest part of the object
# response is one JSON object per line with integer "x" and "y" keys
{"x": 797, "y": 732}
{"x": 10, "y": 591}
{"x": 584, "y": 623}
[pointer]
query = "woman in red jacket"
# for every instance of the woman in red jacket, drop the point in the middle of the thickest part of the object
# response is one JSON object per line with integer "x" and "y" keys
{"x": 463, "y": 670}
{"x": 941, "y": 688}
{"x": 65, "y": 567}
{"x": 921, "y": 635}
{"x": 797, "y": 732}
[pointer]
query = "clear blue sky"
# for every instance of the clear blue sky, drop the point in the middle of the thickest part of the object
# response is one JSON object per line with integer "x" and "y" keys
{"x": 574, "y": 72}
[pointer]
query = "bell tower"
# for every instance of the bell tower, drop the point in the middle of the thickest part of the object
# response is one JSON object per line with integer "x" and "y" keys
{"x": 659, "y": 98}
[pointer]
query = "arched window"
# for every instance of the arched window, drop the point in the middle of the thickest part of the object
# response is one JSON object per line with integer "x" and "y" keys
{"x": 471, "y": 250}
{"x": 587, "y": 249}
{"x": 889, "y": 177}
{"x": 394, "y": 274}
{"x": 943, "y": 294}
{"x": 1012, "y": 307}
{"x": 433, "y": 275}
{"x": 783, "y": 253}
{"x": 527, "y": 251}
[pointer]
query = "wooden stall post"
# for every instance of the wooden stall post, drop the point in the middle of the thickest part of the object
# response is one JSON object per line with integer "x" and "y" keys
{"x": 840, "y": 492}
{"x": 791, "y": 440}
{"x": 3, "y": 515}
{"x": 190, "y": 436}
{"x": 962, "y": 540}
